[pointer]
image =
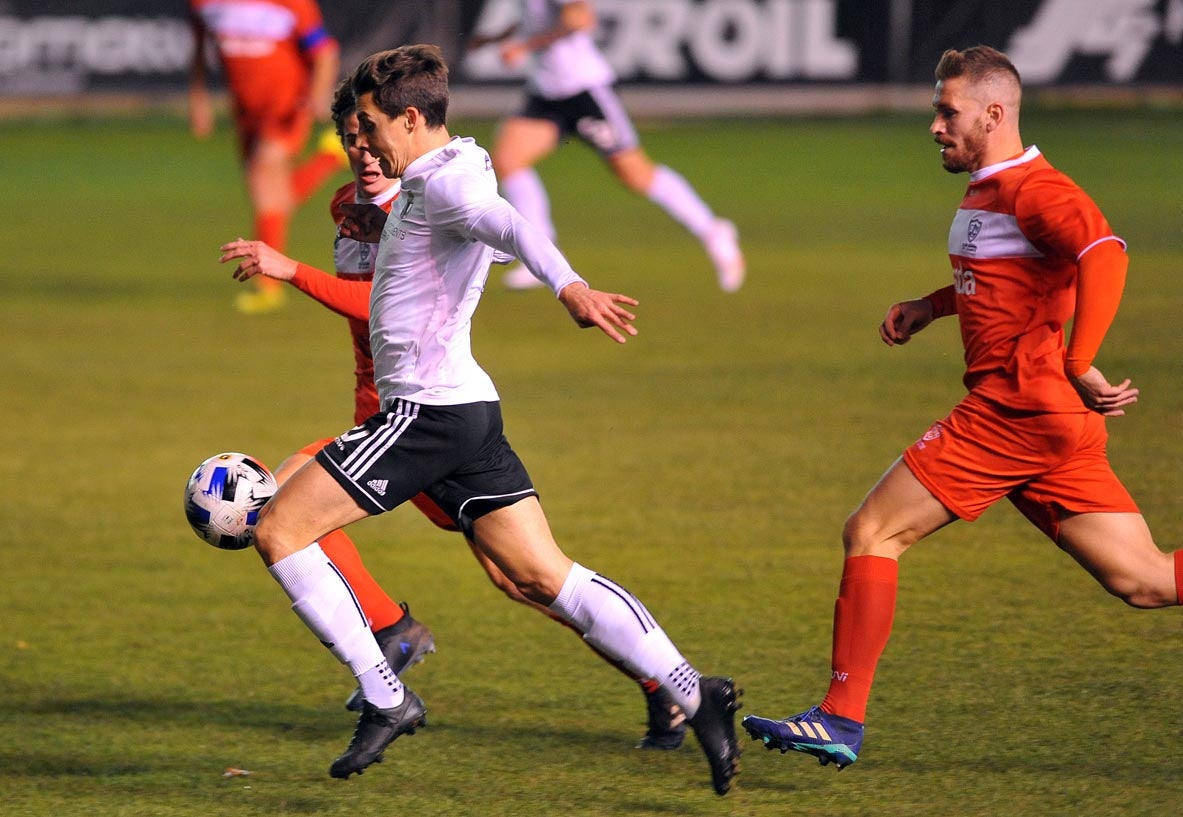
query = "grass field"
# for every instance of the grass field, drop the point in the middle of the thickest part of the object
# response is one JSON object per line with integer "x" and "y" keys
{"x": 707, "y": 465}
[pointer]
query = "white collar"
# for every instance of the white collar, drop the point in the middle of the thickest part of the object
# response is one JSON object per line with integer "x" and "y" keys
{"x": 986, "y": 172}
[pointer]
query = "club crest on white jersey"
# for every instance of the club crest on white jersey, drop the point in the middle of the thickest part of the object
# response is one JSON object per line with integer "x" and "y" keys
{"x": 984, "y": 234}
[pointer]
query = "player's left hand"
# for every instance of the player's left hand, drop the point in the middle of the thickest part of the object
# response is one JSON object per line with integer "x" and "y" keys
{"x": 590, "y": 307}
{"x": 363, "y": 222}
{"x": 1101, "y": 397}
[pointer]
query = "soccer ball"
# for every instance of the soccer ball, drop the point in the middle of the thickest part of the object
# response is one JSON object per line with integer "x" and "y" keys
{"x": 223, "y": 498}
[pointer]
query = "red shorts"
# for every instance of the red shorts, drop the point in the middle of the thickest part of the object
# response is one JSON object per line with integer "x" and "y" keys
{"x": 291, "y": 128}
{"x": 1045, "y": 464}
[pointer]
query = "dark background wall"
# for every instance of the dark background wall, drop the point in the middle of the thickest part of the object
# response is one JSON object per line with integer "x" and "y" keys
{"x": 57, "y": 47}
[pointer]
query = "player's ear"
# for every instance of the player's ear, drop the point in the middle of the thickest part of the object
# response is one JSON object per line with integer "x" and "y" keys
{"x": 411, "y": 117}
{"x": 995, "y": 113}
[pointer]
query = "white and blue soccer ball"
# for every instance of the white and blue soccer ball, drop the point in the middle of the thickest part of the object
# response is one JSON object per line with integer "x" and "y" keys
{"x": 223, "y": 498}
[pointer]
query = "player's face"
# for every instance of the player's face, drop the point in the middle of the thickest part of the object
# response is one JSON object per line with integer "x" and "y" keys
{"x": 958, "y": 126}
{"x": 366, "y": 170}
{"x": 386, "y": 138}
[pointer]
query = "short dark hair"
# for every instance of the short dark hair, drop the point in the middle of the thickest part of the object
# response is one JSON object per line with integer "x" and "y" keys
{"x": 977, "y": 63}
{"x": 344, "y": 103}
{"x": 411, "y": 76}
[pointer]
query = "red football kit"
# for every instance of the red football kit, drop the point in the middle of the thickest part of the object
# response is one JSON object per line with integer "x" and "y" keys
{"x": 265, "y": 48}
{"x": 1016, "y": 245}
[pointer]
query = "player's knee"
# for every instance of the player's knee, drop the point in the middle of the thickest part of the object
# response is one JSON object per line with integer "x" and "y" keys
{"x": 866, "y": 535}
{"x": 507, "y": 587}
{"x": 536, "y": 589}
{"x": 506, "y": 164}
{"x": 264, "y": 541}
{"x": 269, "y": 540}
{"x": 1137, "y": 593}
{"x": 857, "y": 535}
{"x": 538, "y": 585}
{"x": 633, "y": 182}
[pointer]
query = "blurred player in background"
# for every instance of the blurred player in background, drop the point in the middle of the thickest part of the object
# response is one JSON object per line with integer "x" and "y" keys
{"x": 1030, "y": 252}
{"x": 281, "y": 65}
{"x": 569, "y": 91}
{"x": 403, "y": 640}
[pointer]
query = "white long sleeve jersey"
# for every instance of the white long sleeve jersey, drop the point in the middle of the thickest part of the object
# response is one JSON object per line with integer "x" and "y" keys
{"x": 433, "y": 260}
{"x": 568, "y": 66}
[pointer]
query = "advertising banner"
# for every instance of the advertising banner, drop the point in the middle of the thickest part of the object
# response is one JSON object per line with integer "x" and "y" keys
{"x": 55, "y": 47}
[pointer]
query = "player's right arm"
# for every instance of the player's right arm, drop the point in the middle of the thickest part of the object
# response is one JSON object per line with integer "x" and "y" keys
{"x": 326, "y": 64}
{"x": 482, "y": 40}
{"x": 201, "y": 113}
{"x": 576, "y": 15}
{"x": 349, "y": 298}
{"x": 906, "y": 318}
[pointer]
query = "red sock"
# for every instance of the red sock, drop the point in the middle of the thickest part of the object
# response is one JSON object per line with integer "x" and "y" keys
{"x": 1179, "y": 575}
{"x": 271, "y": 227}
{"x": 862, "y": 624}
{"x": 380, "y": 609}
{"x": 313, "y": 172}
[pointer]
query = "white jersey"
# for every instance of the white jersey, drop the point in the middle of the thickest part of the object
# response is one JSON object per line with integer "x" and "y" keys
{"x": 432, "y": 263}
{"x": 568, "y": 66}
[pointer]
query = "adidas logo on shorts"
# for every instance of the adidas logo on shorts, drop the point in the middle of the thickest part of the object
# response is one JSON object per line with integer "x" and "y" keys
{"x": 378, "y": 486}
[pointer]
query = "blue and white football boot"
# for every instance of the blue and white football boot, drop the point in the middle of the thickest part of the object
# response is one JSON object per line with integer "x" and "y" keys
{"x": 829, "y": 738}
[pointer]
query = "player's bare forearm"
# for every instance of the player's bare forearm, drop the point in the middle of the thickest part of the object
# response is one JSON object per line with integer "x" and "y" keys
{"x": 325, "y": 68}
{"x": 607, "y": 310}
{"x": 577, "y": 16}
{"x": 1099, "y": 396}
{"x": 481, "y": 40}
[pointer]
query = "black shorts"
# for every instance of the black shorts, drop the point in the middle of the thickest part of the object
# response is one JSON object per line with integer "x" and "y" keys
{"x": 457, "y": 455}
{"x": 595, "y": 116}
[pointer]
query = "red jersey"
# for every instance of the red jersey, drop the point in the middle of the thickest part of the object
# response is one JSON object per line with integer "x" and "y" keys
{"x": 265, "y": 47}
{"x": 1015, "y": 244}
{"x": 349, "y": 293}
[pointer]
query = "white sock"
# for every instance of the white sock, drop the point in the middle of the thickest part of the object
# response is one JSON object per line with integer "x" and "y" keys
{"x": 324, "y": 601}
{"x": 525, "y": 191}
{"x": 674, "y": 194}
{"x": 615, "y": 622}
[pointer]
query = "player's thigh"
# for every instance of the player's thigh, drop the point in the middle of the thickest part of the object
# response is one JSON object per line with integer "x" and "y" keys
{"x": 517, "y": 540}
{"x": 521, "y": 143}
{"x": 1119, "y": 551}
{"x": 897, "y": 512}
{"x": 290, "y": 466}
{"x": 310, "y": 504}
{"x": 297, "y": 460}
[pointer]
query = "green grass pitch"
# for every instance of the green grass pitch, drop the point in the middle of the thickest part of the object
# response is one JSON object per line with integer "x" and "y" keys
{"x": 708, "y": 465}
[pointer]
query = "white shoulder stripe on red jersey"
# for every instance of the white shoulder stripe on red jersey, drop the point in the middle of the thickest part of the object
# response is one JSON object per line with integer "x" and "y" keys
{"x": 985, "y": 234}
{"x": 1120, "y": 241}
